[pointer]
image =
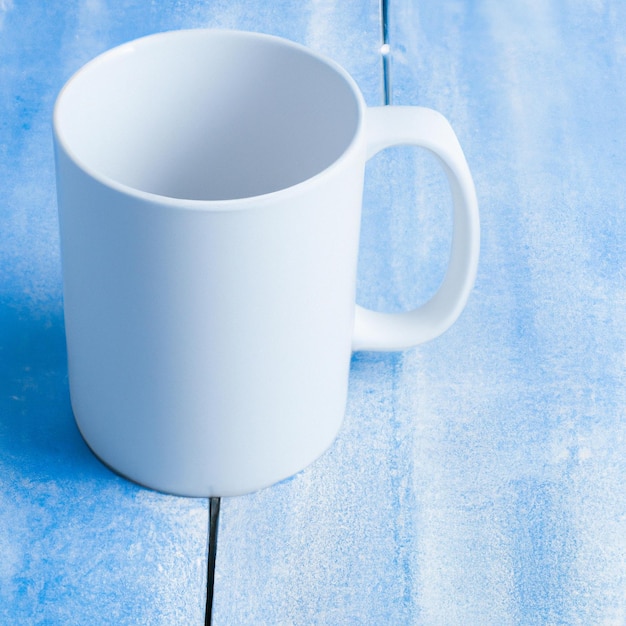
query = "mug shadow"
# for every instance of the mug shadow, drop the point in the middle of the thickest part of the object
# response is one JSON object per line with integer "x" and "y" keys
{"x": 39, "y": 440}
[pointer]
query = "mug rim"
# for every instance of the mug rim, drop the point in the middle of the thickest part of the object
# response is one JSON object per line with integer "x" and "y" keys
{"x": 208, "y": 204}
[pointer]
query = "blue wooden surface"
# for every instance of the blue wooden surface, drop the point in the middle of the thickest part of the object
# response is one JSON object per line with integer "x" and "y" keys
{"x": 478, "y": 479}
{"x": 79, "y": 545}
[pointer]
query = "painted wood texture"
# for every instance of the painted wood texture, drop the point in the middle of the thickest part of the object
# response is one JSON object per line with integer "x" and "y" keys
{"x": 478, "y": 479}
{"x": 79, "y": 545}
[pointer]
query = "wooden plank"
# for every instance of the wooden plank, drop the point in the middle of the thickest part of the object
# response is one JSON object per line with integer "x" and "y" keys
{"x": 318, "y": 548}
{"x": 80, "y": 545}
{"x": 518, "y": 482}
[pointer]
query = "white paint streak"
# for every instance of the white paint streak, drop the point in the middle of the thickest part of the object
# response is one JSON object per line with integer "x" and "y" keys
{"x": 5, "y": 7}
{"x": 90, "y": 35}
{"x": 321, "y": 31}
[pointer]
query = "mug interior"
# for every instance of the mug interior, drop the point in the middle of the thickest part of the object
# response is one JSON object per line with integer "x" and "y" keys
{"x": 207, "y": 115}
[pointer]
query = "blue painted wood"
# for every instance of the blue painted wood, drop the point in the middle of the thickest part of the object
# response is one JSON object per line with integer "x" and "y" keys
{"x": 479, "y": 479}
{"x": 520, "y": 474}
{"x": 79, "y": 545}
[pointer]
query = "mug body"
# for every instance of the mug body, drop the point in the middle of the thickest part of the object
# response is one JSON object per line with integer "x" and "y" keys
{"x": 209, "y": 190}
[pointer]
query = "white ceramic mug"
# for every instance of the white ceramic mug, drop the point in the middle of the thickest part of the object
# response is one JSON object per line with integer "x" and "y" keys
{"x": 209, "y": 187}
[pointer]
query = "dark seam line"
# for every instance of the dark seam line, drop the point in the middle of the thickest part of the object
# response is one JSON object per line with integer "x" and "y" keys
{"x": 385, "y": 51}
{"x": 214, "y": 514}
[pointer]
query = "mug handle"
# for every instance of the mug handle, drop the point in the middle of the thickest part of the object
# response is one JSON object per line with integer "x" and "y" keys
{"x": 401, "y": 125}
